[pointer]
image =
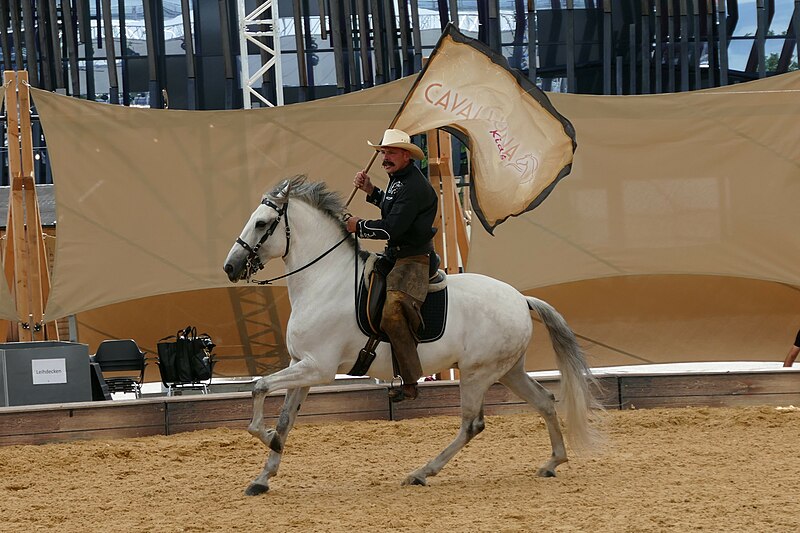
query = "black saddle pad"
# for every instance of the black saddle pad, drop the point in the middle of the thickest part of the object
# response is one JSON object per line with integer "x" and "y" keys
{"x": 434, "y": 313}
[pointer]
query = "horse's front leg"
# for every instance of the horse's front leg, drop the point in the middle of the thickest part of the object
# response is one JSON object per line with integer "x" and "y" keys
{"x": 286, "y": 420}
{"x": 301, "y": 375}
{"x": 304, "y": 373}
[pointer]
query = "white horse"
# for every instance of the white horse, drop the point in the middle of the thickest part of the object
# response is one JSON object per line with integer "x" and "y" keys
{"x": 488, "y": 330}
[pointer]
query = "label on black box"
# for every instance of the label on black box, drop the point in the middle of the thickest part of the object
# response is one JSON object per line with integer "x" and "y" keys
{"x": 47, "y": 371}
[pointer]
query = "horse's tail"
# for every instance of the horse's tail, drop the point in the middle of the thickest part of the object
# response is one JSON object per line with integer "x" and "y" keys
{"x": 576, "y": 376}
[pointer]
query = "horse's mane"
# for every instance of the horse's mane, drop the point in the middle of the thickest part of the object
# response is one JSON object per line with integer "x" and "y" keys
{"x": 315, "y": 194}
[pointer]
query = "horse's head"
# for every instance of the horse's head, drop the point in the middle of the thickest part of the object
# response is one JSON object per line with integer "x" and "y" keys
{"x": 254, "y": 247}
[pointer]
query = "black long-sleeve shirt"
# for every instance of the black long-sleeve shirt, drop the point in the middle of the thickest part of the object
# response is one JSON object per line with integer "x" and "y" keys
{"x": 408, "y": 209}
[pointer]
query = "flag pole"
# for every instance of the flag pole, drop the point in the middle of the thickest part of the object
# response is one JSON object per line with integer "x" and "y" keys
{"x": 352, "y": 194}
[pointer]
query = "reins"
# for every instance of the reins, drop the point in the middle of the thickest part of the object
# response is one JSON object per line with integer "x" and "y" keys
{"x": 329, "y": 250}
{"x": 254, "y": 263}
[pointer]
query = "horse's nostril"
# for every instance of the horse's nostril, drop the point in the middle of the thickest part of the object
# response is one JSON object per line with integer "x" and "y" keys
{"x": 228, "y": 268}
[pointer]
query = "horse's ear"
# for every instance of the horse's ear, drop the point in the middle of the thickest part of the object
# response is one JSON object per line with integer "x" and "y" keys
{"x": 283, "y": 193}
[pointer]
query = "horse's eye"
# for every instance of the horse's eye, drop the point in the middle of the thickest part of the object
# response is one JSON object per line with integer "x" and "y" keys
{"x": 261, "y": 224}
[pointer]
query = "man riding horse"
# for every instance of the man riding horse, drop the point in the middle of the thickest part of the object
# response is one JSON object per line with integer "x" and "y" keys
{"x": 408, "y": 209}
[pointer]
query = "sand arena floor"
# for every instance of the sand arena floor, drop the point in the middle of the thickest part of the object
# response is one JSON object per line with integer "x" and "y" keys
{"x": 715, "y": 469}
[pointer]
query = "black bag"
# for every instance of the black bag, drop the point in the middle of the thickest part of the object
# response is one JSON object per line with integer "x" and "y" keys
{"x": 187, "y": 359}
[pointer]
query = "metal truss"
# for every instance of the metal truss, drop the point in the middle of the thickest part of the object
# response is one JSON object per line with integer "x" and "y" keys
{"x": 260, "y": 330}
{"x": 257, "y": 27}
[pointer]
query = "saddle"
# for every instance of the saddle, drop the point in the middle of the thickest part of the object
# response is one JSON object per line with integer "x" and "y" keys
{"x": 372, "y": 296}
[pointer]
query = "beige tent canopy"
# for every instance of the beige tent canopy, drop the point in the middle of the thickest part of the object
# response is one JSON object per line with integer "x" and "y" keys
{"x": 705, "y": 182}
{"x": 619, "y": 320}
{"x": 150, "y": 201}
{"x": 674, "y": 199}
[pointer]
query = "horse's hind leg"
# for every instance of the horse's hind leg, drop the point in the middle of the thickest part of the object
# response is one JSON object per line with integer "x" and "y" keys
{"x": 472, "y": 395}
{"x": 286, "y": 420}
{"x": 543, "y": 401}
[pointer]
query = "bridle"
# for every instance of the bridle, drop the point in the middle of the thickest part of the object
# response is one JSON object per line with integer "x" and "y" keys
{"x": 254, "y": 263}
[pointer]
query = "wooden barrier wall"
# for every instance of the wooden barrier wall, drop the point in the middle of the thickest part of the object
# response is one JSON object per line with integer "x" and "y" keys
{"x": 714, "y": 390}
{"x": 165, "y": 416}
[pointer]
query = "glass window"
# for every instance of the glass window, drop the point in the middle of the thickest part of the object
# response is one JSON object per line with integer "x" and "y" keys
{"x": 135, "y": 34}
{"x": 748, "y": 19}
{"x": 782, "y": 18}
{"x": 174, "y": 43}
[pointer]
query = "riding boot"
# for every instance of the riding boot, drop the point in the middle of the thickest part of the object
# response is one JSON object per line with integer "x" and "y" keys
{"x": 400, "y": 321}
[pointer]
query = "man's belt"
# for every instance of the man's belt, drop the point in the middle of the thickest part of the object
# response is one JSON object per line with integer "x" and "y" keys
{"x": 407, "y": 250}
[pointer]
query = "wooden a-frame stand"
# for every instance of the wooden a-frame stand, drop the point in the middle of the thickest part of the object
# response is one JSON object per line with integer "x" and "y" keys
{"x": 25, "y": 259}
{"x": 451, "y": 240}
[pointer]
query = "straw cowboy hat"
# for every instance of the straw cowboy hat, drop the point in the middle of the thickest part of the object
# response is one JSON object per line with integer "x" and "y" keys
{"x": 399, "y": 139}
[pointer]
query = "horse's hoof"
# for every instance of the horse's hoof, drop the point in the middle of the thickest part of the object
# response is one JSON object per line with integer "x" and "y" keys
{"x": 255, "y": 489}
{"x": 275, "y": 443}
{"x": 414, "y": 480}
{"x": 546, "y": 472}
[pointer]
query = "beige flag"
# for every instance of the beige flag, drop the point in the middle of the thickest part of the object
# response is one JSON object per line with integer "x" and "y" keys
{"x": 520, "y": 145}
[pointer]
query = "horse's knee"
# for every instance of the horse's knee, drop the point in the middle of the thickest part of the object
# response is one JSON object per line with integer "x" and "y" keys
{"x": 260, "y": 388}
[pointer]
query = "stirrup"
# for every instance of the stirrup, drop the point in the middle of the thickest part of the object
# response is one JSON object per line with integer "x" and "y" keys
{"x": 404, "y": 392}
